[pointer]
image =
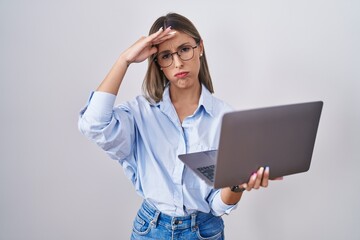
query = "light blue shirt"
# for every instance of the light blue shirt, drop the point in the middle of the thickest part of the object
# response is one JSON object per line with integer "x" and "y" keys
{"x": 146, "y": 138}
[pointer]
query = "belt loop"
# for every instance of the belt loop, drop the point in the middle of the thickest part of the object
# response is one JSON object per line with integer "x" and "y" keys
{"x": 193, "y": 222}
{"x": 155, "y": 219}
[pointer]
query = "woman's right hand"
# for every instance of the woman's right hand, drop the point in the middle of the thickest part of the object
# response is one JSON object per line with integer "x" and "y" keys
{"x": 146, "y": 46}
{"x": 138, "y": 52}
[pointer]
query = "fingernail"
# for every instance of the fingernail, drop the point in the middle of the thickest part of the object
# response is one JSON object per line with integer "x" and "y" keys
{"x": 160, "y": 29}
{"x": 172, "y": 33}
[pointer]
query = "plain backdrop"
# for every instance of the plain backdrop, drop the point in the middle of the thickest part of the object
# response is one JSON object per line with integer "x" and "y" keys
{"x": 55, "y": 184}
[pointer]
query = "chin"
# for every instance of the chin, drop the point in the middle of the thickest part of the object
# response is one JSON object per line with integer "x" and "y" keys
{"x": 188, "y": 82}
{"x": 184, "y": 84}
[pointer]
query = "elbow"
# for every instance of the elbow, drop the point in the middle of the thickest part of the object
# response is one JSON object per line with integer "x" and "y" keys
{"x": 90, "y": 128}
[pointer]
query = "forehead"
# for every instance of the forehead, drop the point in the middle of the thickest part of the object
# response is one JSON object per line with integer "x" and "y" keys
{"x": 173, "y": 43}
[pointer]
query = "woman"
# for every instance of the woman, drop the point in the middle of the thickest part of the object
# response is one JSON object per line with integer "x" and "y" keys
{"x": 177, "y": 115}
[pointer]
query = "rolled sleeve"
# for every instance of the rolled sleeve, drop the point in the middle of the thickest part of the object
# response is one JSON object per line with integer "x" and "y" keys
{"x": 98, "y": 109}
{"x": 218, "y": 207}
{"x": 111, "y": 129}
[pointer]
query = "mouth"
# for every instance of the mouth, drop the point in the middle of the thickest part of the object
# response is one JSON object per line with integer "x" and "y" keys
{"x": 181, "y": 74}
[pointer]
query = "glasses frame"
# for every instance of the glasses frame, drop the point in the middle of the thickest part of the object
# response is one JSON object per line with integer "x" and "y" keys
{"x": 177, "y": 53}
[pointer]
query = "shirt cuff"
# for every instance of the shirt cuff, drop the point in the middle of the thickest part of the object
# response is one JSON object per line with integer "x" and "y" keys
{"x": 219, "y": 207}
{"x": 99, "y": 106}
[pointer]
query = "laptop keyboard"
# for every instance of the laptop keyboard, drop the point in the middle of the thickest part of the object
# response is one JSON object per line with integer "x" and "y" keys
{"x": 208, "y": 171}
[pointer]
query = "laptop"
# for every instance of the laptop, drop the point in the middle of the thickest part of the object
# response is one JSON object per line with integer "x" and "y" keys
{"x": 281, "y": 137}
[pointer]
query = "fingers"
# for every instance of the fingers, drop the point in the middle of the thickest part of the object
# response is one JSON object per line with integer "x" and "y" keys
{"x": 265, "y": 180}
{"x": 145, "y": 46}
{"x": 251, "y": 183}
{"x": 259, "y": 175}
{"x": 155, "y": 38}
{"x": 160, "y": 36}
{"x": 259, "y": 179}
{"x": 157, "y": 34}
{"x": 163, "y": 36}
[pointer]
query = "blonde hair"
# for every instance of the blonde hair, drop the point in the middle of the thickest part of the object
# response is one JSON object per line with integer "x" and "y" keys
{"x": 155, "y": 81}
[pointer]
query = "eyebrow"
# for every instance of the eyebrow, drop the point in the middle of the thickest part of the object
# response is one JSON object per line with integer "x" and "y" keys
{"x": 180, "y": 46}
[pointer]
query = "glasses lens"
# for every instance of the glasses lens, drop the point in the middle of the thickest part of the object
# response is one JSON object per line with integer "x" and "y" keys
{"x": 164, "y": 59}
{"x": 186, "y": 52}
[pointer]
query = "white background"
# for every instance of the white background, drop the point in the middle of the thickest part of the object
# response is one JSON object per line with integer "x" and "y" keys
{"x": 55, "y": 184}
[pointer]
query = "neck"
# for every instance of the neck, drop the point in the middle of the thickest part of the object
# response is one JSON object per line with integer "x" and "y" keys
{"x": 185, "y": 96}
{"x": 185, "y": 101}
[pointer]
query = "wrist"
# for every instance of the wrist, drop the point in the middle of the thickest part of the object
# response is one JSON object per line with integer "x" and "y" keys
{"x": 123, "y": 61}
{"x": 237, "y": 189}
{"x": 229, "y": 197}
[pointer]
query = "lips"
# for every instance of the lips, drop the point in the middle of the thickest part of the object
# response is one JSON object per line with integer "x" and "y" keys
{"x": 181, "y": 74}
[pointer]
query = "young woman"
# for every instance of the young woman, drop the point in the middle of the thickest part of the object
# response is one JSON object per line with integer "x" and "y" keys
{"x": 177, "y": 114}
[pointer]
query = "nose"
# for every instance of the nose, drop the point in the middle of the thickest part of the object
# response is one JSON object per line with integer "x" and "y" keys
{"x": 177, "y": 61}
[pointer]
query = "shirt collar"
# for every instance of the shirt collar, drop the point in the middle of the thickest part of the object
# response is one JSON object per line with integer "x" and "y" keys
{"x": 206, "y": 100}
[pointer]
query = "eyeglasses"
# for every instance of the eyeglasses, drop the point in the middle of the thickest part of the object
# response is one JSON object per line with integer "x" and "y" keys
{"x": 185, "y": 53}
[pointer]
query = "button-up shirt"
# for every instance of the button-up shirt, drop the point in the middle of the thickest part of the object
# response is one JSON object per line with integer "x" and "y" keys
{"x": 146, "y": 139}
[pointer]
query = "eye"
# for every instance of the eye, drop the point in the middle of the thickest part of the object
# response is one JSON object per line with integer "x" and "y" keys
{"x": 185, "y": 49}
{"x": 165, "y": 56}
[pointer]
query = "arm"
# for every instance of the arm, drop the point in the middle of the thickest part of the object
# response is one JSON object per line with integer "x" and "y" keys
{"x": 113, "y": 129}
{"x": 223, "y": 201}
{"x": 138, "y": 52}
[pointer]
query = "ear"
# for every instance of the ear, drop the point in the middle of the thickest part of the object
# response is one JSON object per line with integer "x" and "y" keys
{"x": 201, "y": 47}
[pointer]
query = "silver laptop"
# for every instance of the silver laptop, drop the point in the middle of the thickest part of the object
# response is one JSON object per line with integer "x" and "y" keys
{"x": 281, "y": 137}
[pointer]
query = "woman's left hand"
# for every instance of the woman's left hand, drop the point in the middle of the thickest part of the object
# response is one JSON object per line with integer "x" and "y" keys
{"x": 258, "y": 179}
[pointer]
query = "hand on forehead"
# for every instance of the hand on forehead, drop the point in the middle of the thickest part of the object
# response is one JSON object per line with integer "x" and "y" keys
{"x": 173, "y": 43}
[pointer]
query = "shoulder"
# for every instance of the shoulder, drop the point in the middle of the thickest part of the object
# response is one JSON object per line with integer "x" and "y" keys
{"x": 213, "y": 105}
{"x": 220, "y": 107}
{"x": 137, "y": 104}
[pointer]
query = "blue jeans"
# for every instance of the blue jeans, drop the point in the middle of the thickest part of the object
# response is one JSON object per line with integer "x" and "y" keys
{"x": 152, "y": 224}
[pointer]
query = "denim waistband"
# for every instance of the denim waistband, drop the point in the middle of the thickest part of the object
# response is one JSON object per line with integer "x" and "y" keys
{"x": 174, "y": 222}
